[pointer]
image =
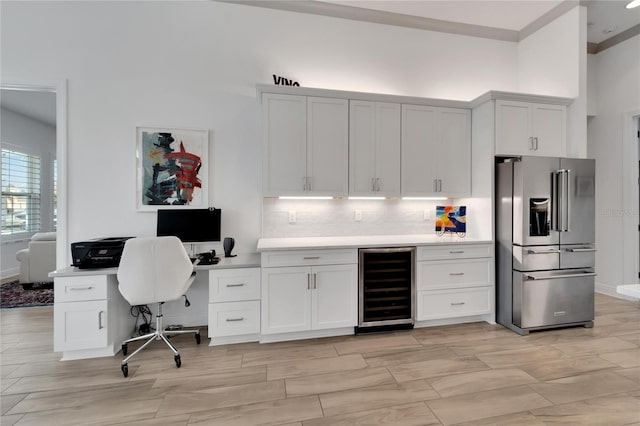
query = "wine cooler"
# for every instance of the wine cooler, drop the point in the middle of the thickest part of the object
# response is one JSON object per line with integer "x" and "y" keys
{"x": 386, "y": 288}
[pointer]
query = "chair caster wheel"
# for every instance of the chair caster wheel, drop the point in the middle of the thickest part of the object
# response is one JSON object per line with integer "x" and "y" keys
{"x": 124, "y": 350}
{"x": 177, "y": 360}
{"x": 198, "y": 338}
{"x": 125, "y": 369}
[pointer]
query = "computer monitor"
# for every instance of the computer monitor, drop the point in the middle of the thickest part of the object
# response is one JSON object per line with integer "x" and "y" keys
{"x": 190, "y": 225}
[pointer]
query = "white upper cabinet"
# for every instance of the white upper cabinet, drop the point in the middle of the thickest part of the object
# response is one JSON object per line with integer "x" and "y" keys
{"x": 526, "y": 128}
{"x": 436, "y": 151}
{"x": 374, "y": 148}
{"x": 305, "y": 145}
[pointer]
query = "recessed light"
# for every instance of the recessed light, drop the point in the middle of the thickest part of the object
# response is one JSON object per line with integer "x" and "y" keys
{"x": 634, "y": 3}
{"x": 610, "y": 30}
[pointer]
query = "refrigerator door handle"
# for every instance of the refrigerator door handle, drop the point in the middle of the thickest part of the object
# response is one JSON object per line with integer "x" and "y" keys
{"x": 557, "y": 277}
{"x": 561, "y": 182}
{"x": 543, "y": 251}
{"x": 567, "y": 182}
{"x": 555, "y": 202}
{"x": 581, "y": 250}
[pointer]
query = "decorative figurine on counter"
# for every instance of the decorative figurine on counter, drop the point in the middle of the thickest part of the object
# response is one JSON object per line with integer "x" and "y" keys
{"x": 451, "y": 219}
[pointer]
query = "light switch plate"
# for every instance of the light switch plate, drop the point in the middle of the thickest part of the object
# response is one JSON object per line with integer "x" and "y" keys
{"x": 292, "y": 217}
{"x": 358, "y": 215}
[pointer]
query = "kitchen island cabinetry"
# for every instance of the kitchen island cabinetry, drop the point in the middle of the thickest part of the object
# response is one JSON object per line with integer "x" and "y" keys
{"x": 309, "y": 291}
{"x": 436, "y": 151}
{"x": 374, "y": 149}
{"x": 305, "y": 145}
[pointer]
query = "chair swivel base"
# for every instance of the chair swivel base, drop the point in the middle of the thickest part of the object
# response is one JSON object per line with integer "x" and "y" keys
{"x": 158, "y": 334}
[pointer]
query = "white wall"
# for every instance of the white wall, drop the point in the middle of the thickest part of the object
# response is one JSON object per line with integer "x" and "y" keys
{"x": 553, "y": 61}
{"x": 37, "y": 138}
{"x": 618, "y": 93}
{"x": 196, "y": 64}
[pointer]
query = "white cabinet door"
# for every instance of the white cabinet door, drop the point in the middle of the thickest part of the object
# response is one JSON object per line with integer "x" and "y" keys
{"x": 334, "y": 296}
{"x": 513, "y": 128}
{"x": 548, "y": 129}
{"x": 387, "y": 150}
{"x": 419, "y": 162}
{"x": 374, "y": 148}
{"x": 327, "y": 146}
{"x": 285, "y": 144}
{"x": 286, "y": 299}
{"x": 454, "y": 152}
{"x": 80, "y": 325}
{"x": 525, "y": 128}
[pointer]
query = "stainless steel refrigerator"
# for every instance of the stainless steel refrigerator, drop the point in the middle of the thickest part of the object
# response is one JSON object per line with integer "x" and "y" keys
{"x": 545, "y": 242}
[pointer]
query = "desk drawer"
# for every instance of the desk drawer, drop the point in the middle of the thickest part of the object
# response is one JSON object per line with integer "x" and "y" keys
{"x": 82, "y": 288}
{"x": 309, "y": 257}
{"x": 234, "y": 285}
{"x": 453, "y": 251}
{"x": 234, "y": 318}
{"x": 454, "y": 273}
{"x": 462, "y": 302}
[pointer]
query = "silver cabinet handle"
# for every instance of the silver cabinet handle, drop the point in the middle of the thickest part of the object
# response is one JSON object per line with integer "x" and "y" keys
{"x": 80, "y": 288}
{"x": 581, "y": 250}
{"x": 557, "y": 277}
{"x": 435, "y": 185}
{"x": 439, "y": 185}
{"x": 309, "y": 183}
{"x": 550, "y": 251}
{"x": 100, "y": 326}
{"x": 457, "y": 303}
{"x": 373, "y": 184}
{"x": 536, "y": 140}
{"x": 235, "y": 285}
{"x": 456, "y": 273}
{"x": 456, "y": 251}
{"x": 234, "y": 319}
{"x": 308, "y": 281}
{"x": 315, "y": 281}
{"x": 531, "y": 146}
{"x": 377, "y": 184}
{"x": 311, "y": 257}
{"x": 304, "y": 183}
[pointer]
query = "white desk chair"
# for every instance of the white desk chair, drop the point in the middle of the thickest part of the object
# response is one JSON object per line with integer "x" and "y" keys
{"x": 154, "y": 270}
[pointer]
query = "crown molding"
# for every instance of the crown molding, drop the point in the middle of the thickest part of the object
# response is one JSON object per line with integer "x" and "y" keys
{"x": 380, "y": 17}
{"x": 547, "y": 18}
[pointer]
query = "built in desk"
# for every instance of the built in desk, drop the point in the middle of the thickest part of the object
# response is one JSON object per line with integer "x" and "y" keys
{"x": 91, "y": 318}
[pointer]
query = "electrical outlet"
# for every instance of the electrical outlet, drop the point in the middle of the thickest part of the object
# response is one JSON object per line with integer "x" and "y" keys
{"x": 292, "y": 217}
{"x": 427, "y": 215}
{"x": 358, "y": 215}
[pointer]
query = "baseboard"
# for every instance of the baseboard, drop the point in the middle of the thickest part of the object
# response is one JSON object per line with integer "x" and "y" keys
{"x": 10, "y": 274}
{"x": 611, "y": 290}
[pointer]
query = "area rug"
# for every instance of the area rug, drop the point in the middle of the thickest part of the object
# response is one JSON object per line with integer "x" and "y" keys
{"x": 13, "y": 295}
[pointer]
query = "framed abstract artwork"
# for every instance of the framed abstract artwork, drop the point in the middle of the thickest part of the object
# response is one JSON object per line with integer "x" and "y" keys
{"x": 172, "y": 168}
{"x": 451, "y": 219}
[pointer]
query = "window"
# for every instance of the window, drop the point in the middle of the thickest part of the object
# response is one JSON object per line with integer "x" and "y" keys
{"x": 20, "y": 192}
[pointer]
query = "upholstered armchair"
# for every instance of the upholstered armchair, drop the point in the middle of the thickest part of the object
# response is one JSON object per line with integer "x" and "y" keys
{"x": 38, "y": 259}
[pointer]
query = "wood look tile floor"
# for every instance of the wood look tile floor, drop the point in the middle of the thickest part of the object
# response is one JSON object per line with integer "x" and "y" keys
{"x": 471, "y": 374}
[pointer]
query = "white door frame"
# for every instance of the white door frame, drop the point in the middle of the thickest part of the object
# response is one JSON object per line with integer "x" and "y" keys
{"x": 630, "y": 198}
{"x": 60, "y": 89}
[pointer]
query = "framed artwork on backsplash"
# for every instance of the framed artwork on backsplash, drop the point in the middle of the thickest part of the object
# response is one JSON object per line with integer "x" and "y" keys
{"x": 172, "y": 168}
{"x": 451, "y": 219}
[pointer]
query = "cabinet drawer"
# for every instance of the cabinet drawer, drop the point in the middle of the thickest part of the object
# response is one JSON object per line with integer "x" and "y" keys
{"x": 72, "y": 289}
{"x": 309, "y": 257}
{"x": 453, "y": 303}
{"x": 454, "y": 251}
{"x": 234, "y": 285}
{"x": 234, "y": 318}
{"x": 454, "y": 273}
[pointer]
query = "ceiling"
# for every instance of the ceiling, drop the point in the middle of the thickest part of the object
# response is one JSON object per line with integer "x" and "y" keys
{"x": 39, "y": 105}
{"x": 606, "y": 18}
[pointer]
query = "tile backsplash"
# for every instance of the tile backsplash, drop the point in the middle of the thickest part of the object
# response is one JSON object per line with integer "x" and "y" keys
{"x": 337, "y": 217}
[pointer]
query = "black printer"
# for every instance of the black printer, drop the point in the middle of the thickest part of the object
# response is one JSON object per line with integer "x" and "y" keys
{"x": 98, "y": 253}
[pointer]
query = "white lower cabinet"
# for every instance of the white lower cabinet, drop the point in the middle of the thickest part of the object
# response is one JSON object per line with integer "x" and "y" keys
{"x": 454, "y": 281}
{"x": 304, "y": 298}
{"x": 234, "y": 305}
{"x": 90, "y": 316}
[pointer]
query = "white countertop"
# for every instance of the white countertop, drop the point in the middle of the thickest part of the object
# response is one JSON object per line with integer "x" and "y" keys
{"x": 361, "y": 241}
{"x": 251, "y": 260}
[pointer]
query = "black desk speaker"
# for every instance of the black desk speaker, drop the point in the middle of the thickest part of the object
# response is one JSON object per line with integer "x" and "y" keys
{"x": 228, "y": 245}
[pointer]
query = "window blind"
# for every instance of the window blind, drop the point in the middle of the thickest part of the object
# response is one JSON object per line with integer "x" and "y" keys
{"x": 21, "y": 193}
